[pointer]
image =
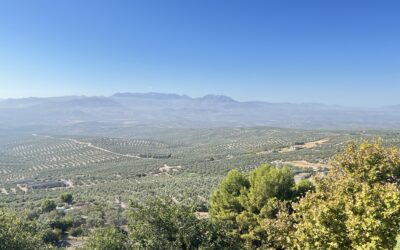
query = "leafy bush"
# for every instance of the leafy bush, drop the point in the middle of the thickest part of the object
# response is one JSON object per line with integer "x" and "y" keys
{"x": 162, "y": 224}
{"x": 17, "y": 233}
{"x": 63, "y": 224}
{"x": 77, "y": 231}
{"x": 246, "y": 201}
{"x": 107, "y": 238}
{"x": 52, "y": 236}
{"x": 66, "y": 198}
{"x": 356, "y": 207}
{"x": 301, "y": 188}
{"x": 48, "y": 205}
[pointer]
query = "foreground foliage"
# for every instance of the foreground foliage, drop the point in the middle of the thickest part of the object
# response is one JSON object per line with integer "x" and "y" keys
{"x": 247, "y": 201}
{"x": 107, "y": 238}
{"x": 357, "y": 206}
{"x": 17, "y": 233}
{"x": 161, "y": 223}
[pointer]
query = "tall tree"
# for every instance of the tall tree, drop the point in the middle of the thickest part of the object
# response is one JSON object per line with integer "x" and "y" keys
{"x": 246, "y": 201}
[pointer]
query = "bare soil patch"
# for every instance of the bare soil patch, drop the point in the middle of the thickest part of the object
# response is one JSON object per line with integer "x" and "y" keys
{"x": 167, "y": 168}
{"x": 306, "y": 164}
{"x": 307, "y": 145}
{"x": 3, "y": 191}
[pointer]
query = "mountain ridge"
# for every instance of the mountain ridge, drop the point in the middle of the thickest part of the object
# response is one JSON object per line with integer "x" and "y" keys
{"x": 166, "y": 110}
{"x": 148, "y": 95}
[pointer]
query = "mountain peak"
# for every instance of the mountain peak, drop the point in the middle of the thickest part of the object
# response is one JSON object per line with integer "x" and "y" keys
{"x": 217, "y": 98}
{"x": 150, "y": 95}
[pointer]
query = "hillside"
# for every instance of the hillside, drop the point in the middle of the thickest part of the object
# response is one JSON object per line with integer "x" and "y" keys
{"x": 181, "y": 111}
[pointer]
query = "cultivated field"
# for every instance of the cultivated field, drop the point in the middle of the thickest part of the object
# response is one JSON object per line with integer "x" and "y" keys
{"x": 183, "y": 163}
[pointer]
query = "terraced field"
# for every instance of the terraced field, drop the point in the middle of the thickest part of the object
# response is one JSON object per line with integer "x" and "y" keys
{"x": 179, "y": 163}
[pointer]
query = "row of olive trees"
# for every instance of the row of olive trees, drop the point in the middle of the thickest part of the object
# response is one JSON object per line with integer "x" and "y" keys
{"x": 357, "y": 206}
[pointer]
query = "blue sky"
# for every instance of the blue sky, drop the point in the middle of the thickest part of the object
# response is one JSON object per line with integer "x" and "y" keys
{"x": 335, "y": 51}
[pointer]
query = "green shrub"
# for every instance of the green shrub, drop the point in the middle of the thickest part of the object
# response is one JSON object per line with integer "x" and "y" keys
{"x": 52, "y": 236}
{"x": 48, "y": 205}
{"x": 17, "y": 233}
{"x": 107, "y": 238}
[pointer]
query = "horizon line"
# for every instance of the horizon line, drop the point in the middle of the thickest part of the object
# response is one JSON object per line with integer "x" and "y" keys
{"x": 194, "y": 97}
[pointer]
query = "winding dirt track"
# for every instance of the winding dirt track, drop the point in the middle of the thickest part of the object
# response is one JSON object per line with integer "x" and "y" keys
{"x": 88, "y": 144}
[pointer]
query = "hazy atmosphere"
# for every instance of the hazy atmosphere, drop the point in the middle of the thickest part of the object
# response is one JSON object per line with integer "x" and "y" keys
{"x": 333, "y": 52}
{"x": 199, "y": 125}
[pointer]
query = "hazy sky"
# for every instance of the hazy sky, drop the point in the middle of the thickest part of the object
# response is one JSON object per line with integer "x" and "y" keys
{"x": 337, "y": 52}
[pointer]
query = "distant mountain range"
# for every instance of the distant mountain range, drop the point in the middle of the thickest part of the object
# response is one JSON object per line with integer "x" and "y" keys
{"x": 181, "y": 111}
